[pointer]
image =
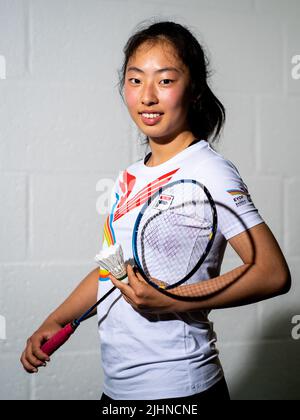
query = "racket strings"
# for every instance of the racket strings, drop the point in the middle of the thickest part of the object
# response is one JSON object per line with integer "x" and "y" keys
{"x": 172, "y": 241}
{"x": 167, "y": 250}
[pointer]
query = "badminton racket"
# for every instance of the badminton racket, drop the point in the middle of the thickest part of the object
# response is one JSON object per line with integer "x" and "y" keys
{"x": 172, "y": 236}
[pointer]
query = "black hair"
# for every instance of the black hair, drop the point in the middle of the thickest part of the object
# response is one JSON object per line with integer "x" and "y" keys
{"x": 206, "y": 114}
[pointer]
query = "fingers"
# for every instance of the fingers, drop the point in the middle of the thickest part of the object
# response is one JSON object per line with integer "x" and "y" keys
{"x": 137, "y": 274}
{"x": 135, "y": 278}
{"x": 30, "y": 362}
{"x": 119, "y": 284}
{"x": 129, "y": 291}
{"x": 136, "y": 292}
{"x": 135, "y": 281}
{"x": 132, "y": 271}
{"x": 30, "y": 368}
{"x": 32, "y": 357}
{"x": 26, "y": 357}
{"x": 36, "y": 346}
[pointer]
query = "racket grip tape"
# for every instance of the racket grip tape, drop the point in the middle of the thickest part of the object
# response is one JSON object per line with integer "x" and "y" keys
{"x": 58, "y": 339}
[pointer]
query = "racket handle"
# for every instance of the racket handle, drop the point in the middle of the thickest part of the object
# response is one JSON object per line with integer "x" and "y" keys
{"x": 58, "y": 339}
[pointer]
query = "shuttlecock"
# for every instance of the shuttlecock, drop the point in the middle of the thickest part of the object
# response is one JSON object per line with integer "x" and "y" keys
{"x": 112, "y": 260}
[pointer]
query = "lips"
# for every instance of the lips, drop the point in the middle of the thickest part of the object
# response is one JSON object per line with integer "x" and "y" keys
{"x": 151, "y": 118}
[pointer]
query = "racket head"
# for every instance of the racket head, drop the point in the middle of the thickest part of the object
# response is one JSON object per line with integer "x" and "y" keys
{"x": 174, "y": 233}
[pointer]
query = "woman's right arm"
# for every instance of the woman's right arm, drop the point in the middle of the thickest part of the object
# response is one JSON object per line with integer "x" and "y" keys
{"x": 82, "y": 298}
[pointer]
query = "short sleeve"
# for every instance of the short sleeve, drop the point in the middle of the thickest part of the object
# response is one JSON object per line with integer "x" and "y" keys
{"x": 235, "y": 208}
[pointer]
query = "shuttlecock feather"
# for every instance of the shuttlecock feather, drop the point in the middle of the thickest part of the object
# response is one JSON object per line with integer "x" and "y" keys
{"x": 112, "y": 260}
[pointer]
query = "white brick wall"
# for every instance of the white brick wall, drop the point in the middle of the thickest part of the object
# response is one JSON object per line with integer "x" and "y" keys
{"x": 60, "y": 116}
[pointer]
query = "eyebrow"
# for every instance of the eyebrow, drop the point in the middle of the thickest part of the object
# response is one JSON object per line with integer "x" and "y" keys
{"x": 132, "y": 68}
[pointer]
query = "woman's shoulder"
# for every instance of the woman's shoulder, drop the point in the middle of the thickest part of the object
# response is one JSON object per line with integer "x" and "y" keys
{"x": 215, "y": 163}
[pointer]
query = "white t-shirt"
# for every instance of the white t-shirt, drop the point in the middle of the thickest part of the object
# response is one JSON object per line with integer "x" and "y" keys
{"x": 150, "y": 356}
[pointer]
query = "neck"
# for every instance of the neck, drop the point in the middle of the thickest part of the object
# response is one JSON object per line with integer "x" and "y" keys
{"x": 164, "y": 149}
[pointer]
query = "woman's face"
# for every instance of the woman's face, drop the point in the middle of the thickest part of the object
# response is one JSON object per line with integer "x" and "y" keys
{"x": 155, "y": 91}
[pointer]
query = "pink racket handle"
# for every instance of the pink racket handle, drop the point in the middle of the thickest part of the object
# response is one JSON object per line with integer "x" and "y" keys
{"x": 58, "y": 339}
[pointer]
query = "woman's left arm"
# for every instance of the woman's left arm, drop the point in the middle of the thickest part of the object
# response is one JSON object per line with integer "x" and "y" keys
{"x": 263, "y": 274}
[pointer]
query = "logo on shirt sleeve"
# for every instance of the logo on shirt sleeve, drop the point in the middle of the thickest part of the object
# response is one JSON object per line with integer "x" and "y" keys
{"x": 240, "y": 196}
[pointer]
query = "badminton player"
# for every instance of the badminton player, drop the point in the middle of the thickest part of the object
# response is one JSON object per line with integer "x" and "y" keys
{"x": 155, "y": 347}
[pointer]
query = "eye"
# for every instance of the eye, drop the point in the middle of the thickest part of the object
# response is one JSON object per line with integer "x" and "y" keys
{"x": 166, "y": 81}
{"x": 134, "y": 81}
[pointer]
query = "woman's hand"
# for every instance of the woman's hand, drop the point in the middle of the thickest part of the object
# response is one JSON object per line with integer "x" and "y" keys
{"x": 33, "y": 357}
{"x": 143, "y": 297}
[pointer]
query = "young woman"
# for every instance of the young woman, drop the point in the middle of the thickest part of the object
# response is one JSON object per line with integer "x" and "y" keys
{"x": 155, "y": 347}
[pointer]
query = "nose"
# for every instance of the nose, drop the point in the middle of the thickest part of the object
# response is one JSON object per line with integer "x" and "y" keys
{"x": 148, "y": 95}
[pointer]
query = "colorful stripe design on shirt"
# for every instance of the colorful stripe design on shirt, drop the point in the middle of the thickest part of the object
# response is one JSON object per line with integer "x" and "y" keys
{"x": 126, "y": 185}
{"x": 240, "y": 197}
{"x": 109, "y": 238}
{"x": 237, "y": 192}
{"x": 142, "y": 196}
